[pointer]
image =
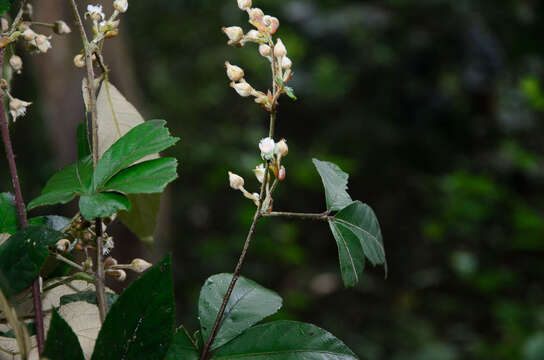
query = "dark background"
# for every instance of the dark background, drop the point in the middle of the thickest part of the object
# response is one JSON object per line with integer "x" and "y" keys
{"x": 434, "y": 107}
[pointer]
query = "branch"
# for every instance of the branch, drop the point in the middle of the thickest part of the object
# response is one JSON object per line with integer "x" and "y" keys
{"x": 19, "y": 203}
{"x": 303, "y": 216}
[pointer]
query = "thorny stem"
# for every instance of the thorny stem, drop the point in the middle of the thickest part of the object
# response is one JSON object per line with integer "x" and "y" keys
{"x": 19, "y": 202}
{"x": 100, "y": 277}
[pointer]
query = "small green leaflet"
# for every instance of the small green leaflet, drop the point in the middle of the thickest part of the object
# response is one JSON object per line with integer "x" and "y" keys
{"x": 335, "y": 182}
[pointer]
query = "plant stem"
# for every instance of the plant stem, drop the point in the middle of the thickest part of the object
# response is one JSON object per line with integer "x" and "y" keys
{"x": 90, "y": 80}
{"x": 237, "y": 271}
{"x": 69, "y": 262}
{"x": 258, "y": 214}
{"x": 19, "y": 203}
{"x": 304, "y": 216}
{"x": 100, "y": 276}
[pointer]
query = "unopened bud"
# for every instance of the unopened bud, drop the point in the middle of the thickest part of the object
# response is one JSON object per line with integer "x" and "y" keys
{"x": 120, "y": 5}
{"x": 61, "y": 28}
{"x": 111, "y": 34}
{"x": 253, "y": 35}
{"x": 255, "y": 14}
{"x": 79, "y": 60}
{"x": 16, "y": 63}
{"x": 236, "y": 181}
{"x": 281, "y": 173}
{"x": 29, "y": 34}
{"x": 4, "y": 84}
{"x": 119, "y": 275}
{"x": 235, "y": 73}
{"x": 4, "y": 24}
{"x": 242, "y": 88}
{"x": 234, "y": 33}
{"x": 282, "y": 148}
{"x": 286, "y": 63}
{"x": 139, "y": 265}
{"x": 109, "y": 262}
{"x": 63, "y": 245}
{"x": 244, "y": 4}
{"x": 272, "y": 23}
{"x": 256, "y": 198}
{"x": 259, "y": 172}
{"x": 279, "y": 49}
{"x": 264, "y": 50}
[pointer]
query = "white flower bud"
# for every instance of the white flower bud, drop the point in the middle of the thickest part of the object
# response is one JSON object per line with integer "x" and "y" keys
{"x": 282, "y": 148}
{"x": 16, "y": 63}
{"x": 119, "y": 275}
{"x": 236, "y": 181}
{"x": 244, "y": 4}
{"x": 255, "y": 14}
{"x": 29, "y": 34}
{"x": 264, "y": 50}
{"x": 4, "y": 25}
{"x": 242, "y": 88}
{"x": 120, "y": 5}
{"x": 18, "y": 107}
{"x": 259, "y": 172}
{"x": 253, "y": 35}
{"x": 235, "y": 73}
{"x": 61, "y": 28}
{"x": 286, "y": 63}
{"x": 234, "y": 33}
{"x": 272, "y": 23}
{"x": 256, "y": 198}
{"x": 279, "y": 49}
{"x": 109, "y": 262}
{"x": 63, "y": 245}
{"x": 267, "y": 146}
{"x": 139, "y": 265}
{"x": 95, "y": 12}
{"x": 42, "y": 43}
{"x": 79, "y": 60}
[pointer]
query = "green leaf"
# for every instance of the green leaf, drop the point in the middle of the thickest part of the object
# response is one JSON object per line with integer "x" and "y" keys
{"x": 8, "y": 214}
{"x": 83, "y": 146}
{"x": 357, "y": 233}
{"x": 248, "y": 304}
{"x": 23, "y": 255}
{"x": 102, "y": 205}
{"x": 51, "y": 221}
{"x": 62, "y": 343}
{"x": 144, "y": 178}
{"x": 87, "y": 296}
{"x": 335, "y": 182}
{"x": 140, "y": 323}
{"x": 145, "y": 139}
{"x": 142, "y": 217}
{"x": 182, "y": 347}
{"x": 73, "y": 180}
{"x": 285, "y": 340}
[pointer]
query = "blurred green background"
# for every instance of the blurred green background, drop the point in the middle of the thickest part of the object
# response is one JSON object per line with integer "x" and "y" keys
{"x": 435, "y": 108}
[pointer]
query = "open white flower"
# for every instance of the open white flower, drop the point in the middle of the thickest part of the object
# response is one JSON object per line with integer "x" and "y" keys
{"x": 95, "y": 12}
{"x": 267, "y": 146}
{"x": 17, "y": 108}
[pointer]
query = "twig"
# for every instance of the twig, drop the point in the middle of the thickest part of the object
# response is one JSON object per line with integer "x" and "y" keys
{"x": 237, "y": 271}
{"x": 303, "y": 216}
{"x": 100, "y": 277}
{"x": 19, "y": 203}
{"x": 69, "y": 262}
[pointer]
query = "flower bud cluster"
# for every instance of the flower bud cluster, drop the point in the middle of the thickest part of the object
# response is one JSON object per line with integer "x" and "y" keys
{"x": 265, "y": 27}
{"x": 273, "y": 153}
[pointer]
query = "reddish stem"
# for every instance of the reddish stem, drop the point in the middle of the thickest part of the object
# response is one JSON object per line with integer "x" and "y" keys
{"x": 19, "y": 203}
